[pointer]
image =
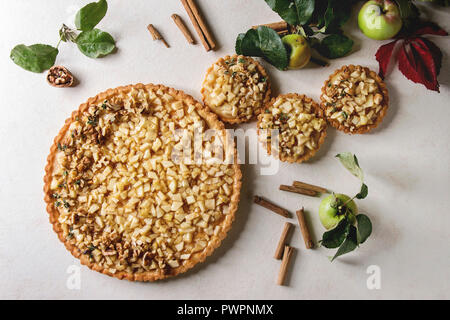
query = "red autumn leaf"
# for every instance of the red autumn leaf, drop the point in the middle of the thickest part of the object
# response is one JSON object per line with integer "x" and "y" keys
{"x": 430, "y": 28}
{"x": 435, "y": 52}
{"x": 383, "y": 57}
{"x": 419, "y": 59}
{"x": 417, "y": 63}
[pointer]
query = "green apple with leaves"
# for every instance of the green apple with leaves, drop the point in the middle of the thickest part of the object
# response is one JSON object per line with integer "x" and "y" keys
{"x": 346, "y": 228}
{"x": 380, "y": 19}
{"x": 298, "y": 49}
{"x": 336, "y": 207}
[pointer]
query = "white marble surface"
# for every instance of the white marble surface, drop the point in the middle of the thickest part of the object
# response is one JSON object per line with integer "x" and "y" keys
{"x": 406, "y": 161}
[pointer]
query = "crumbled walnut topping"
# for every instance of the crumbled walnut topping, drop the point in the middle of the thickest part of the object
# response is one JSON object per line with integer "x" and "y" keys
{"x": 300, "y": 128}
{"x": 353, "y": 98}
{"x": 129, "y": 206}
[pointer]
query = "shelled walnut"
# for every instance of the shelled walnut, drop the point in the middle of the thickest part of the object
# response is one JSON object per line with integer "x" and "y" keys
{"x": 60, "y": 77}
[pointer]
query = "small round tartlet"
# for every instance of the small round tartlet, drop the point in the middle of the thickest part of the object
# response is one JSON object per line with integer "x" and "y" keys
{"x": 354, "y": 99}
{"x": 236, "y": 88}
{"x": 120, "y": 201}
{"x": 299, "y": 121}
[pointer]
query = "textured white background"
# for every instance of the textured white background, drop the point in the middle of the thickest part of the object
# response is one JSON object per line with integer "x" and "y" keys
{"x": 406, "y": 161}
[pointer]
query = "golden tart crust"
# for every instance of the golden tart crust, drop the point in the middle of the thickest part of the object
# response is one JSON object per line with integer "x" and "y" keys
{"x": 354, "y": 99}
{"x": 302, "y": 129}
{"x": 236, "y": 88}
{"x": 86, "y": 173}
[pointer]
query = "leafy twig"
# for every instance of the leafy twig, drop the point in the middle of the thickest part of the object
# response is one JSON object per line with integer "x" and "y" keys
{"x": 91, "y": 42}
{"x": 308, "y": 18}
{"x": 346, "y": 236}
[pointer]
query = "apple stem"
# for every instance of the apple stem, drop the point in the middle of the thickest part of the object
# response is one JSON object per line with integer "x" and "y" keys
{"x": 319, "y": 62}
{"x": 345, "y": 204}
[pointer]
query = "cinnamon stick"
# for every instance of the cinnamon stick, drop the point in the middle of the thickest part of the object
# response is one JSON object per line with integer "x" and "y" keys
{"x": 280, "y": 248}
{"x": 269, "y": 205}
{"x": 180, "y": 24}
{"x": 288, "y": 251}
{"x": 282, "y": 33}
{"x": 277, "y": 26}
{"x": 308, "y": 186}
{"x": 156, "y": 35}
{"x": 199, "y": 24}
{"x": 298, "y": 190}
{"x": 304, "y": 229}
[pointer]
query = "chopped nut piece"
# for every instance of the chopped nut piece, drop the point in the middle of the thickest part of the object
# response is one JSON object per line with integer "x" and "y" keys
{"x": 125, "y": 205}
{"x": 299, "y": 122}
{"x": 236, "y": 88}
{"x": 59, "y": 76}
{"x": 354, "y": 99}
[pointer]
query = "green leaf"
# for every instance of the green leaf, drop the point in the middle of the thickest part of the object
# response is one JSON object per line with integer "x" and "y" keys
{"x": 90, "y": 15}
{"x": 239, "y": 39}
{"x": 328, "y": 16}
{"x": 364, "y": 227}
{"x": 266, "y": 43}
{"x": 335, "y": 46}
{"x": 350, "y": 162}
{"x": 305, "y": 9}
{"x": 337, "y": 14}
{"x": 409, "y": 14}
{"x": 35, "y": 58}
{"x": 95, "y": 43}
{"x": 334, "y": 238}
{"x": 286, "y": 10}
{"x": 294, "y": 12}
{"x": 319, "y": 13}
{"x": 350, "y": 243}
{"x": 363, "y": 192}
{"x": 407, "y": 9}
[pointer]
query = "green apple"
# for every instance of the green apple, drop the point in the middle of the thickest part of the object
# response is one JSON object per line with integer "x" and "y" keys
{"x": 332, "y": 210}
{"x": 299, "y": 51}
{"x": 380, "y": 19}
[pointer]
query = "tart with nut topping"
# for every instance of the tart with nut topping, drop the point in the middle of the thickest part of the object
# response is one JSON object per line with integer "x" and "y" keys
{"x": 236, "y": 88}
{"x": 118, "y": 198}
{"x": 301, "y": 128}
{"x": 354, "y": 99}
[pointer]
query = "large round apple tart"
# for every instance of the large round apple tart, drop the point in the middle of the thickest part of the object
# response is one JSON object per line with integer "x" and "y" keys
{"x": 120, "y": 201}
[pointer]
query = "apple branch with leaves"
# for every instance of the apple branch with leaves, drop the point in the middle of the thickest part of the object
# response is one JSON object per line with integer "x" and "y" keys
{"x": 318, "y": 21}
{"x": 92, "y": 42}
{"x": 351, "y": 231}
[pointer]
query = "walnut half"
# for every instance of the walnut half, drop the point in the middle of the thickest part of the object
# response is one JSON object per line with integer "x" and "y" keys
{"x": 60, "y": 77}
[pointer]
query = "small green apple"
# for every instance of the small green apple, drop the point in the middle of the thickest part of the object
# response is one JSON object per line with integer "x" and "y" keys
{"x": 332, "y": 210}
{"x": 379, "y": 19}
{"x": 299, "y": 51}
